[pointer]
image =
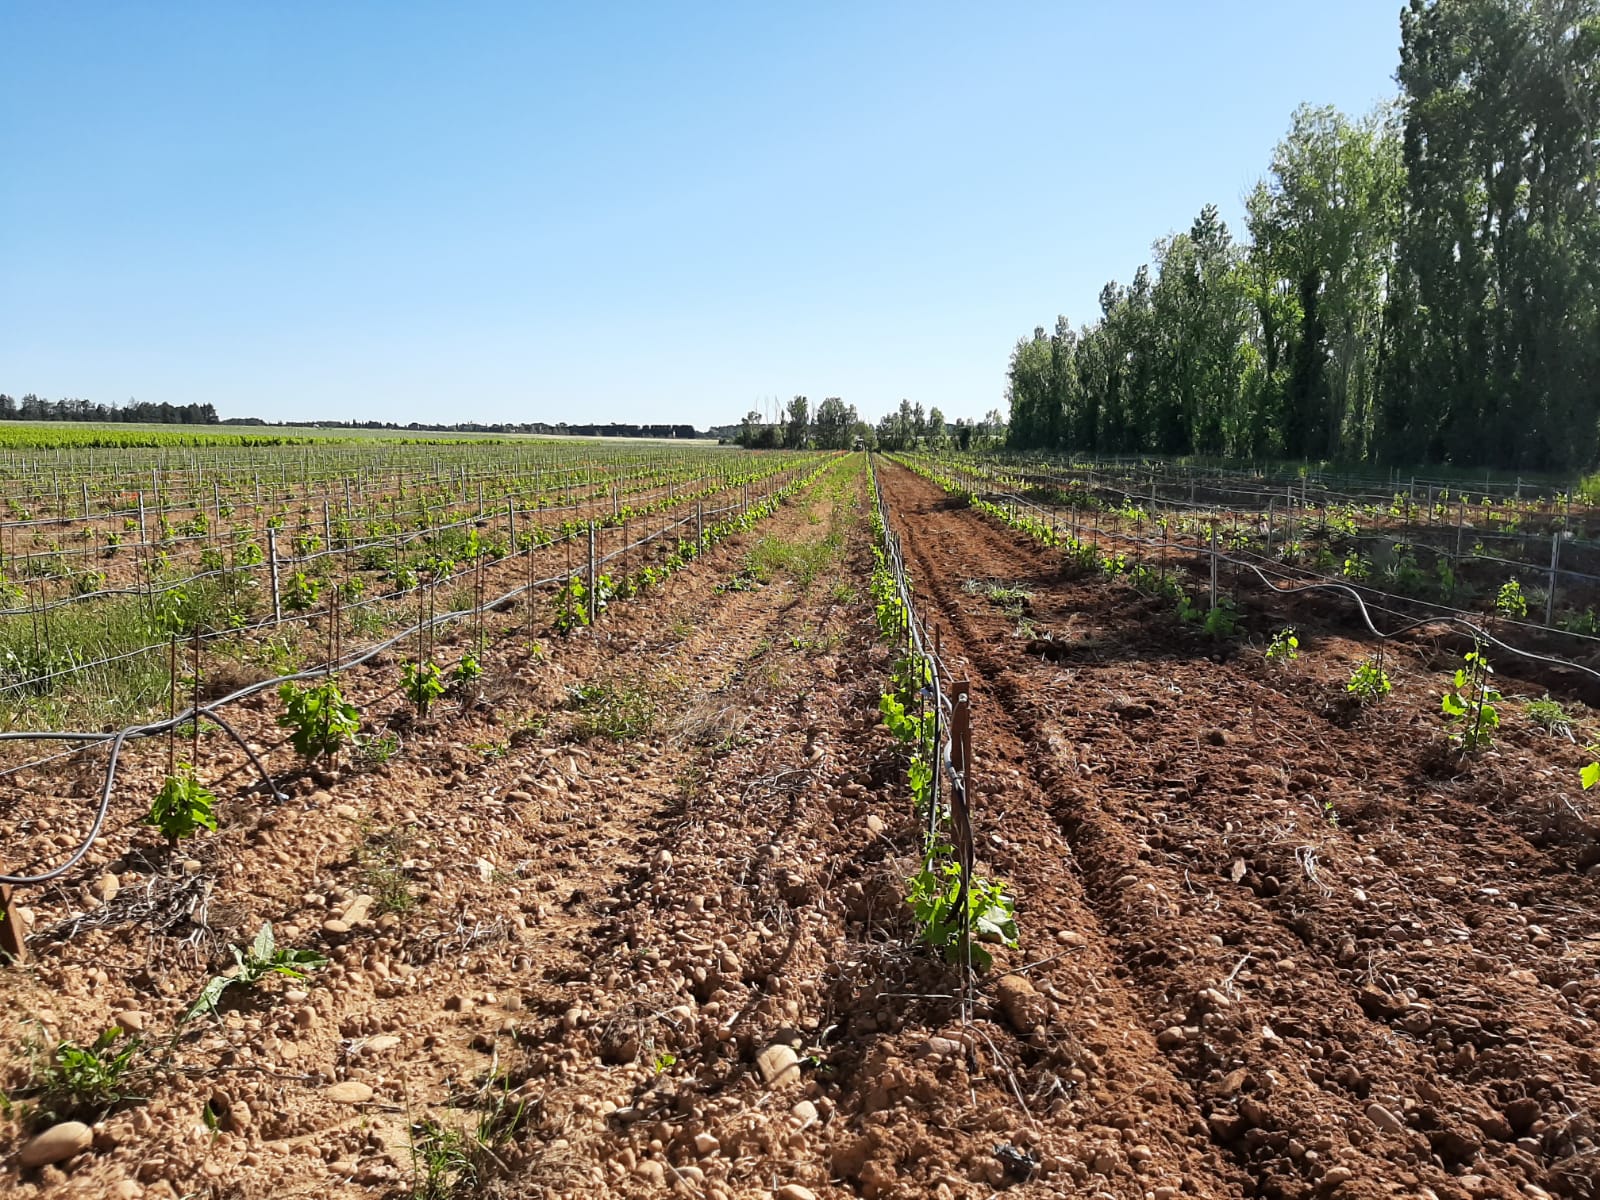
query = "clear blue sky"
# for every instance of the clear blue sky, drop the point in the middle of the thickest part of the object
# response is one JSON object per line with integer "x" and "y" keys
{"x": 632, "y": 212}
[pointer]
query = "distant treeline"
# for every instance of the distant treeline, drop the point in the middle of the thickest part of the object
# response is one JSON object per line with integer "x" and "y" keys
{"x": 559, "y": 429}
{"x": 1421, "y": 285}
{"x": 34, "y": 408}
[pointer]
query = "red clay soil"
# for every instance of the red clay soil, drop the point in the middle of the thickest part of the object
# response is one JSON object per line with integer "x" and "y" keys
{"x": 1315, "y": 952}
{"x": 657, "y": 944}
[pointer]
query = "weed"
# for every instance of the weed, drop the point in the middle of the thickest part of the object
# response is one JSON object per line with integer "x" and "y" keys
{"x": 619, "y": 712}
{"x": 1471, "y": 701}
{"x": 86, "y": 1082}
{"x": 443, "y": 1161}
{"x": 377, "y": 751}
{"x": 320, "y": 719}
{"x": 450, "y": 1162}
{"x": 664, "y": 1061}
{"x": 1550, "y": 716}
{"x": 1586, "y": 622}
{"x": 264, "y": 958}
{"x": 1284, "y": 647}
{"x": 382, "y": 856}
{"x": 801, "y": 561}
{"x": 1013, "y": 598}
{"x": 1403, "y": 575}
{"x": 182, "y": 807}
{"x": 739, "y": 583}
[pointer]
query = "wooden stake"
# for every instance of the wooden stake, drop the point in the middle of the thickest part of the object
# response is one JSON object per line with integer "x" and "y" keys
{"x": 11, "y": 932}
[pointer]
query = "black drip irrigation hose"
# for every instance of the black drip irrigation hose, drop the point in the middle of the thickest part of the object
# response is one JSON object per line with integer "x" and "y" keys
{"x": 1477, "y": 631}
{"x": 134, "y": 732}
{"x": 1444, "y": 618}
{"x": 155, "y": 728}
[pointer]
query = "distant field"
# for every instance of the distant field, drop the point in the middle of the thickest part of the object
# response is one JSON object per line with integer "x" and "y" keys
{"x": 46, "y": 435}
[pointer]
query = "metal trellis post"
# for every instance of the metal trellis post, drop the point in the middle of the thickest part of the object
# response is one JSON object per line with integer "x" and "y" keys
{"x": 1213, "y": 566}
{"x": 593, "y": 612}
{"x": 1555, "y": 559}
{"x": 272, "y": 561}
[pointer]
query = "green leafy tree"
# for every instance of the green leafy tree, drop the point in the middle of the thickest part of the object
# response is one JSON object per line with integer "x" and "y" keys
{"x": 797, "y": 429}
{"x": 834, "y": 427}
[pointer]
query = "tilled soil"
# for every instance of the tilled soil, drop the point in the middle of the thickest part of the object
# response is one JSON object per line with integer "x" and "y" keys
{"x": 504, "y": 839}
{"x": 646, "y": 933}
{"x": 1336, "y": 958}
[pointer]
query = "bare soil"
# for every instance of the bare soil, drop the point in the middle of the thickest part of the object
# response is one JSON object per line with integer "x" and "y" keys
{"x": 656, "y": 942}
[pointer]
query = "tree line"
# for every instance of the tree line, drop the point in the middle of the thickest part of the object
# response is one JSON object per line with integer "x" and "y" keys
{"x": 34, "y": 408}
{"x": 838, "y": 426}
{"x": 1419, "y": 285}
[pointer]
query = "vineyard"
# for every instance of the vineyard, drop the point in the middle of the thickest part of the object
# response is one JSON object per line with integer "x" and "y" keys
{"x": 545, "y": 820}
{"x": 1528, "y": 558}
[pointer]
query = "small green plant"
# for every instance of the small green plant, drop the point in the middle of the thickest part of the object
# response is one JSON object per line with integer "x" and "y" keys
{"x": 1447, "y": 578}
{"x": 572, "y": 606}
{"x": 1221, "y": 622}
{"x": 1471, "y": 701}
{"x": 618, "y": 712}
{"x": 1403, "y": 574}
{"x": 262, "y": 960}
{"x": 376, "y": 751}
{"x": 320, "y": 719}
{"x": 1357, "y": 567}
{"x": 1369, "y": 682}
{"x": 422, "y": 683}
{"x": 942, "y": 912}
{"x": 450, "y": 1163}
{"x": 1548, "y": 715}
{"x": 1509, "y": 602}
{"x": 664, "y": 1061}
{"x": 467, "y": 672}
{"x": 1284, "y": 647}
{"x": 1589, "y": 775}
{"x": 382, "y": 856}
{"x": 85, "y": 1082}
{"x": 301, "y": 591}
{"x": 182, "y": 807}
